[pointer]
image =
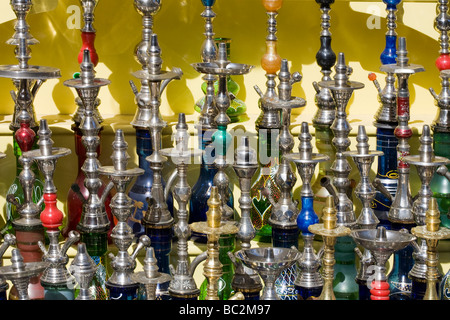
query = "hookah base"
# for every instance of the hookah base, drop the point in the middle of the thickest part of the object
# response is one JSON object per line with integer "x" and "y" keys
{"x": 174, "y": 296}
{"x": 418, "y": 288}
{"x": 253, "y": 294}
{"x": 3, "y": 291}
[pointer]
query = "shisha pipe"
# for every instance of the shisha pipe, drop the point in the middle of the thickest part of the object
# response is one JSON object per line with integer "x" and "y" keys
{"x": 381, "y": 243}
{"x": 28, "y": 228}
{"x": 426, "y": 163}
{"x": 205, "y": 127}
{"x": 27, "y": 79}
{"x": 342, "y": 89}
{"x": 284, "y": 211}
{"x": 221, "y": 138}
{"x": 400, "y": 213}
{"x": 120, "y": 284}
{"x": 78, "y": 192}
{"x": 365, "y": 191}
{"x": 283, "y": 218}
{"x": 88, "y": 32}
{"x": 363, "y": 157}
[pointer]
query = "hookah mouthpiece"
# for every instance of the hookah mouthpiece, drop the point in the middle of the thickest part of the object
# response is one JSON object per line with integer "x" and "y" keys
{"x": 150, "y": 263}
{"x": 120, "y": 156}
{"x": 154, "y": 51}
{"x": 181, "y": 125}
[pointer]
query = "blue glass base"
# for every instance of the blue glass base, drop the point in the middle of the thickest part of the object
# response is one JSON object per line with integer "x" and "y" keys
{"x": 419, "y": 288}
{"x": 305, "y": 293}
{"x": 117, "y": 292}
{"x": 161, "y": 241}
{"x": 251, "y": 295}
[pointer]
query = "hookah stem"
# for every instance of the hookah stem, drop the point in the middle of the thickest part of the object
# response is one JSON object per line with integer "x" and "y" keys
{"x": 389, "y": 54}
{"x": 328, "y": 268}
{"x": 88, "y": 33}
{"x": 285, "y": 237}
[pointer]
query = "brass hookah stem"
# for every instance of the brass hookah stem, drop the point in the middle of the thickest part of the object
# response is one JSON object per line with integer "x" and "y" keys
{"x": 442, "y": 25}
{"x": 432, "y": 225}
